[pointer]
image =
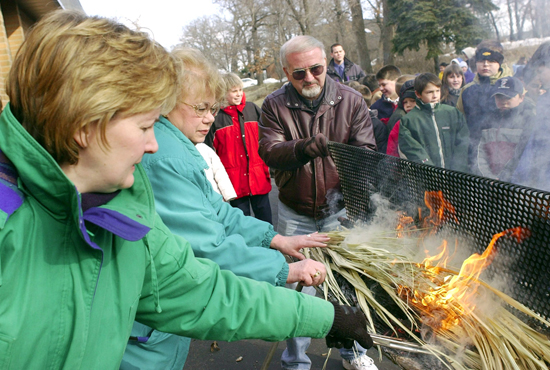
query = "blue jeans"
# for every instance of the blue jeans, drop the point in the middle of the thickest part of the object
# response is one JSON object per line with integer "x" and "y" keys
{"x": 291, "y": 223}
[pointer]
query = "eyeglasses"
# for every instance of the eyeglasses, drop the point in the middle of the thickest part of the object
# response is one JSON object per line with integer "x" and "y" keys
{"x": 202, "y": 109}
{"x": 300, "y": 74}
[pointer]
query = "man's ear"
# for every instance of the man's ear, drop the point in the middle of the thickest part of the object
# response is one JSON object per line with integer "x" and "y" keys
{"x": 419, "y": 96}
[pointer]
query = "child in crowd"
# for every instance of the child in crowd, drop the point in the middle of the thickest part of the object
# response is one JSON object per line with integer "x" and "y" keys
{"x": 475, "y": 100}
{"x": 399, "y": 111}
{"x": 468, "y": 75}
{"x": 453, "y": 80}
{"x": 433, "y": 133}
{"x": 533, "y": 168}
{"x": 371, "y": 82}
{"x": 505, "y": 133}
{"x": 387, "y": 76}
{"x": 442, "y": 67}
{"x": 234, "y": 136}
{"x": 215, "y": 173}
{"x": 407, "y": 101}
{"x": 379, "y": 128}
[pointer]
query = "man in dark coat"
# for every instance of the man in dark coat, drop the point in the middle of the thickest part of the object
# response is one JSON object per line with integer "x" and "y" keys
{"x": 340, "y": 68}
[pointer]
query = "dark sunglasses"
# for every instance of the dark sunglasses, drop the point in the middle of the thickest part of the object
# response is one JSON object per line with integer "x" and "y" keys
{"x": 300, "y": 74}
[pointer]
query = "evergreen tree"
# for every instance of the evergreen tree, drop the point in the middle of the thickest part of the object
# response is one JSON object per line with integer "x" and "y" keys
{"x": 435, "y": 23}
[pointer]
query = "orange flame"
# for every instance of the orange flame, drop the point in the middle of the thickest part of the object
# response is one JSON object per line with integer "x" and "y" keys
{"x": 441, "y": 210}
{"x": 460, "y": 288}
{"x": 449, "y": 297}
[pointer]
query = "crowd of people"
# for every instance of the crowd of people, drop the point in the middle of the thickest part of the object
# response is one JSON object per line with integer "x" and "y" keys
{"x": 476, "y": 117}
{"x": 134, "y": 182}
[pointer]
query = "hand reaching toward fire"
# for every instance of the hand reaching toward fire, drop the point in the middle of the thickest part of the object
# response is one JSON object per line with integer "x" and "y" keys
{"x": 291, "y": 245}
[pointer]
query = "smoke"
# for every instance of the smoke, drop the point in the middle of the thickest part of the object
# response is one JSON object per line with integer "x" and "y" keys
{"x": 485, "y": 302}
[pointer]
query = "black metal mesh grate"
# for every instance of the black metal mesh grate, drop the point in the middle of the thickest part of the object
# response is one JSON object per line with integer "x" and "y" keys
{"x": 484, "y": 207}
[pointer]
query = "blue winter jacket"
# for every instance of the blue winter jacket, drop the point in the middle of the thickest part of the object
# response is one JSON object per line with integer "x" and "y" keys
{"x": 189, "y": 206}
{"x": 533, "y": 168}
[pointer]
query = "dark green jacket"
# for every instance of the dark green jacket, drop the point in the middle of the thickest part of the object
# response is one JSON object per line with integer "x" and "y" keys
{"x": 435, "y": 134}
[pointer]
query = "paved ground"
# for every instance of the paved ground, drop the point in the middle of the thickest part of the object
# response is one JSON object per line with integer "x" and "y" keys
{"x": 250, "y": 354}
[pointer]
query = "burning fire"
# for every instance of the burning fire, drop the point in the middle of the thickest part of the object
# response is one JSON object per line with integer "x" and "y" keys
{"x": 450, "y": 296}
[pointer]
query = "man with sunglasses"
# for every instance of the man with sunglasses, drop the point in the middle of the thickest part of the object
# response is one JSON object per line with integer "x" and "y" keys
{"x": 342, "y": 69}
{"x": 296, "y": 122}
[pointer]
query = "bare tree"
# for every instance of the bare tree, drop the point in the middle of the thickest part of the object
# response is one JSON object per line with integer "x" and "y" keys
{"x": 254, "y": 14}
{"x": 358, "y": 23}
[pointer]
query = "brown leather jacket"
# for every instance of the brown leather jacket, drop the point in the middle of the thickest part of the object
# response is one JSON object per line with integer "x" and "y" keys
{"x": 311, "y": 188}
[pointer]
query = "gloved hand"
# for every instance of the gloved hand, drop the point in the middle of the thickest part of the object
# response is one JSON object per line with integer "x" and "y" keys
{"x": 349, "y": 325}
{"x": 316, "y": 146}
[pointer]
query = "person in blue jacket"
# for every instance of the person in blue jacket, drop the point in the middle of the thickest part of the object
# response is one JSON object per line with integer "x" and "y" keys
{"x": 533, "y": 168}
{"x": 190, "y": 207}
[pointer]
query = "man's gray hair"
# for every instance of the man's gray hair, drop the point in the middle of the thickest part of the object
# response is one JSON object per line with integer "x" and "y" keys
{"x": 299, "y": 44}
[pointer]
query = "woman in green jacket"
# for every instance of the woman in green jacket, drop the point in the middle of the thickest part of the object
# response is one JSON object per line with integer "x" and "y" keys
{"x": 83, "y": 252}
{"x": 190, "y": 208}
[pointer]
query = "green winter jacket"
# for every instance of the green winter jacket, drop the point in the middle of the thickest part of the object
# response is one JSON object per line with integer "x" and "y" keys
{"x": 435, "y": 134}
{"x": 71, "y": 284}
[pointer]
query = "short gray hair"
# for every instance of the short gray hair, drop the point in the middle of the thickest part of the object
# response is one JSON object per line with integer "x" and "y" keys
{"x": 299, "y": 44}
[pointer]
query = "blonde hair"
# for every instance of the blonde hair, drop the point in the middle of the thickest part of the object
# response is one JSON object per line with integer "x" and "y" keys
{"x": 231, "y": 80}
{"x": 74, "y": 70}
{"x": 199, "y": 78}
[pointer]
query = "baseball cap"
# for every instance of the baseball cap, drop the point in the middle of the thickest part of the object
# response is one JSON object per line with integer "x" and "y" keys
{"x": 508, "y": 86}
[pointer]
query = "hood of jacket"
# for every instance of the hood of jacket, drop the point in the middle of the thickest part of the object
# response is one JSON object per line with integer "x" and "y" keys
{"x": 233, "y": 109}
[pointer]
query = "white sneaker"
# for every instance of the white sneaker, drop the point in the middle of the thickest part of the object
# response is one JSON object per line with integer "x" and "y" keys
{"x": 363, "y": 362}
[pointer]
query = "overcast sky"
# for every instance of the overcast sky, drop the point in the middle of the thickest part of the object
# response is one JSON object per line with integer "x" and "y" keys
{"x": 165, "y": 18}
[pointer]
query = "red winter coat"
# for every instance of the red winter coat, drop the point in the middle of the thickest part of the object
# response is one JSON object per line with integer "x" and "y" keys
{"x": 234, "y": 136}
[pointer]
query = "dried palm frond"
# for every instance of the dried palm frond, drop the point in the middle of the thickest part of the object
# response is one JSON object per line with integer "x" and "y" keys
{"x": 473, "y": 339}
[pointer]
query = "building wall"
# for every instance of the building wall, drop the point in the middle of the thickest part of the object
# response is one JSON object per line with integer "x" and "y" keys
{"x": 14, "y": 23}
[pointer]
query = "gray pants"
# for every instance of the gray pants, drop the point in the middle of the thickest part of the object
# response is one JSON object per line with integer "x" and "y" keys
{"x": 291, "y": 223}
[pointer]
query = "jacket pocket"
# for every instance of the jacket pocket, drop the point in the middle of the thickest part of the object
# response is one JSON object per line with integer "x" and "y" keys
{"x": 5, "y": 351}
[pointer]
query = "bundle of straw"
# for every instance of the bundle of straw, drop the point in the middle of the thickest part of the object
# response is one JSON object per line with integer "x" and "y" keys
{"x": 475, "y": 340}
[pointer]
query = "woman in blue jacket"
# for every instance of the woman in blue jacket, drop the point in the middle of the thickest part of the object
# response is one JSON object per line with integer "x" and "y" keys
{"x": 190, "y": 207}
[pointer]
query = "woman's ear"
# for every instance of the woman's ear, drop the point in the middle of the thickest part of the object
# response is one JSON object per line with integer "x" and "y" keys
{"x": 81, "y": 137}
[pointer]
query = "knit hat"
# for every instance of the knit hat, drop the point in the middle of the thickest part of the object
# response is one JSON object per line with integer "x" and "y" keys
{"x": 488, "y": 54}
{"x": 463, "y": 64}
{"x": 407, "y": 91}
{"x": 469, "y": 52}
{"x": 508, "y": 86}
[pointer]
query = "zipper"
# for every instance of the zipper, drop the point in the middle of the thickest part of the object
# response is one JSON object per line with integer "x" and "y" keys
{"x": 439, "y": 145}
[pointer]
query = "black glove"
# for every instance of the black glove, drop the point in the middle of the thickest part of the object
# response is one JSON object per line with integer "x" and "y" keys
{"x": 314, "y": 147}
{"x": 349, "y": 324}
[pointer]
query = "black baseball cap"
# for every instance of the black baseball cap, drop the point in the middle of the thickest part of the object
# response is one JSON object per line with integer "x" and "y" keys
{"x": 508, "y": 86}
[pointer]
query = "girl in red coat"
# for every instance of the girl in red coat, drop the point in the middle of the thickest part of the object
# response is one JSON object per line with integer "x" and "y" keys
{"x": 234, "y": 136}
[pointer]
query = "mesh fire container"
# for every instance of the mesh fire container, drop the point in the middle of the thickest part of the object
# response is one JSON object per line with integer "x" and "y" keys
{"x": 484, "y": 207}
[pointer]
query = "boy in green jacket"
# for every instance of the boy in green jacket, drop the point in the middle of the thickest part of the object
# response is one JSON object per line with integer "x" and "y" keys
{"x": 83, "y": 252}
{"x": 433, "y": 133}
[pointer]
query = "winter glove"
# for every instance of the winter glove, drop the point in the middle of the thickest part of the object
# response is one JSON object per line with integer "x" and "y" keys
{"x": 349, "y": 325}
{"x": 312, "y": 148}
